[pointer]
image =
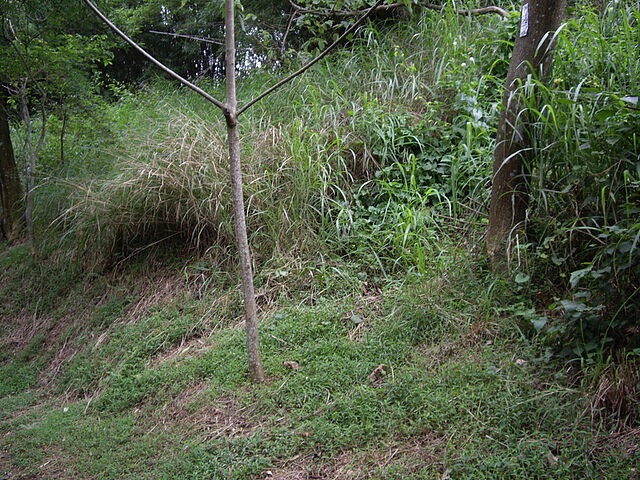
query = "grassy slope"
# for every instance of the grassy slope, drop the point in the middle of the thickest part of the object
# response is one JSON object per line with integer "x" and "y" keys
{"x": 146, "y": 381}
{"x": 138, "y": 371}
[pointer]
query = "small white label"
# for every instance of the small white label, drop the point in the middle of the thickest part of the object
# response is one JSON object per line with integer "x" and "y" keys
{"x": 524, "y": 20}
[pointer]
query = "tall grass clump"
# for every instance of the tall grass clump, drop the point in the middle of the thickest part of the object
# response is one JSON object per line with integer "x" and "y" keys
{"x": 173, "y": 185}
{"x": 415, "y": 115}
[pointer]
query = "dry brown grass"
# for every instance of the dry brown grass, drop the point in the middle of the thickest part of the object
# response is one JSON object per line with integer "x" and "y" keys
{"x": 193, "y": 413}
{"x": 410, "y": 454}
{"x": 614, "y": 397}
{"x": 177, "y": 188}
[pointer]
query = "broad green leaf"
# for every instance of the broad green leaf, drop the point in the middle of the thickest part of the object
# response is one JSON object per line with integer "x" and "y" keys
{"x": 539, "y": 323}
{"x": 578, "y": 275}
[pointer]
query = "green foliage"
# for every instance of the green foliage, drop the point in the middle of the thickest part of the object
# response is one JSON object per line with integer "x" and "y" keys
{"x": 48, "y": 57}
{"x": 321, "y": 21}
{"x": 21, "y": 371}
{"x": 188, "y": 36}
{"x": 424, "y": 171}
{"x": 420, "y": 162}
{"x": 585, "y": 185}
{"x": 390, "y": 352}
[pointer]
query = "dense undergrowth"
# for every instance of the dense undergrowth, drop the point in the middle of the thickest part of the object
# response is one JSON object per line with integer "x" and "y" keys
{"x": 391, "y": 350}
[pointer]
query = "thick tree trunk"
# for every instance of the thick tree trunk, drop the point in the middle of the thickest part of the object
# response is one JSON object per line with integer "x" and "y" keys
{"x": 532, "y": 55}
{"x": 230, "y": 112}
{"x": 10, "y": 188}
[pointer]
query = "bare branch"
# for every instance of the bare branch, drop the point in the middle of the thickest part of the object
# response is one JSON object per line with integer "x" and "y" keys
{"x": 152, "y": 59}
{"x": 392, "y": 6}
{"x": 286, "y": 32}
{"x": 188, "y": 37}
{"x": 474, "y": 11}
{"x": 310, "y": 64}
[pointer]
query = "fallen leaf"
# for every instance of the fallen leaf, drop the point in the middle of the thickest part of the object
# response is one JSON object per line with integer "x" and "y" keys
{"x": 378, "y": 373}
{"x": 291, "y": 364}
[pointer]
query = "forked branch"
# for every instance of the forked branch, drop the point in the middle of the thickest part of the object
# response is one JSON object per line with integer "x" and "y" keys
{"x": 231, "y": 113}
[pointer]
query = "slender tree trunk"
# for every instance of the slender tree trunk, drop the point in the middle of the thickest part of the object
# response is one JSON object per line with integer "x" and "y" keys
{"x": 32, "y": 151}
{"x": 10, "y": 188}
{"x": 230, "y": 112}
{"x": 532, "y": 55}
{"x": 63, "y": 130}
{"x": 30, "y": 166}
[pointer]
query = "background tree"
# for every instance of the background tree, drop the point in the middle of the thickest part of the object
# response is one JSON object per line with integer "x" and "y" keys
{"x": 190, "y": 35}
{"x": 531, "y": 60}
{"x": 10, "y": 189}
{"x": 49, "y": 59}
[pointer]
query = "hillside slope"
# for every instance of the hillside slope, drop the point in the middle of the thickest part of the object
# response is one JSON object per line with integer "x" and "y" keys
{"x": 391, "y": 349}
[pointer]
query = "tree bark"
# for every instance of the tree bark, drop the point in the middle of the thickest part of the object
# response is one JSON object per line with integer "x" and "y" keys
{"x": 10, "y": 188}
{"x": 532, "y": 55}
{"x": 256, "y": 371}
